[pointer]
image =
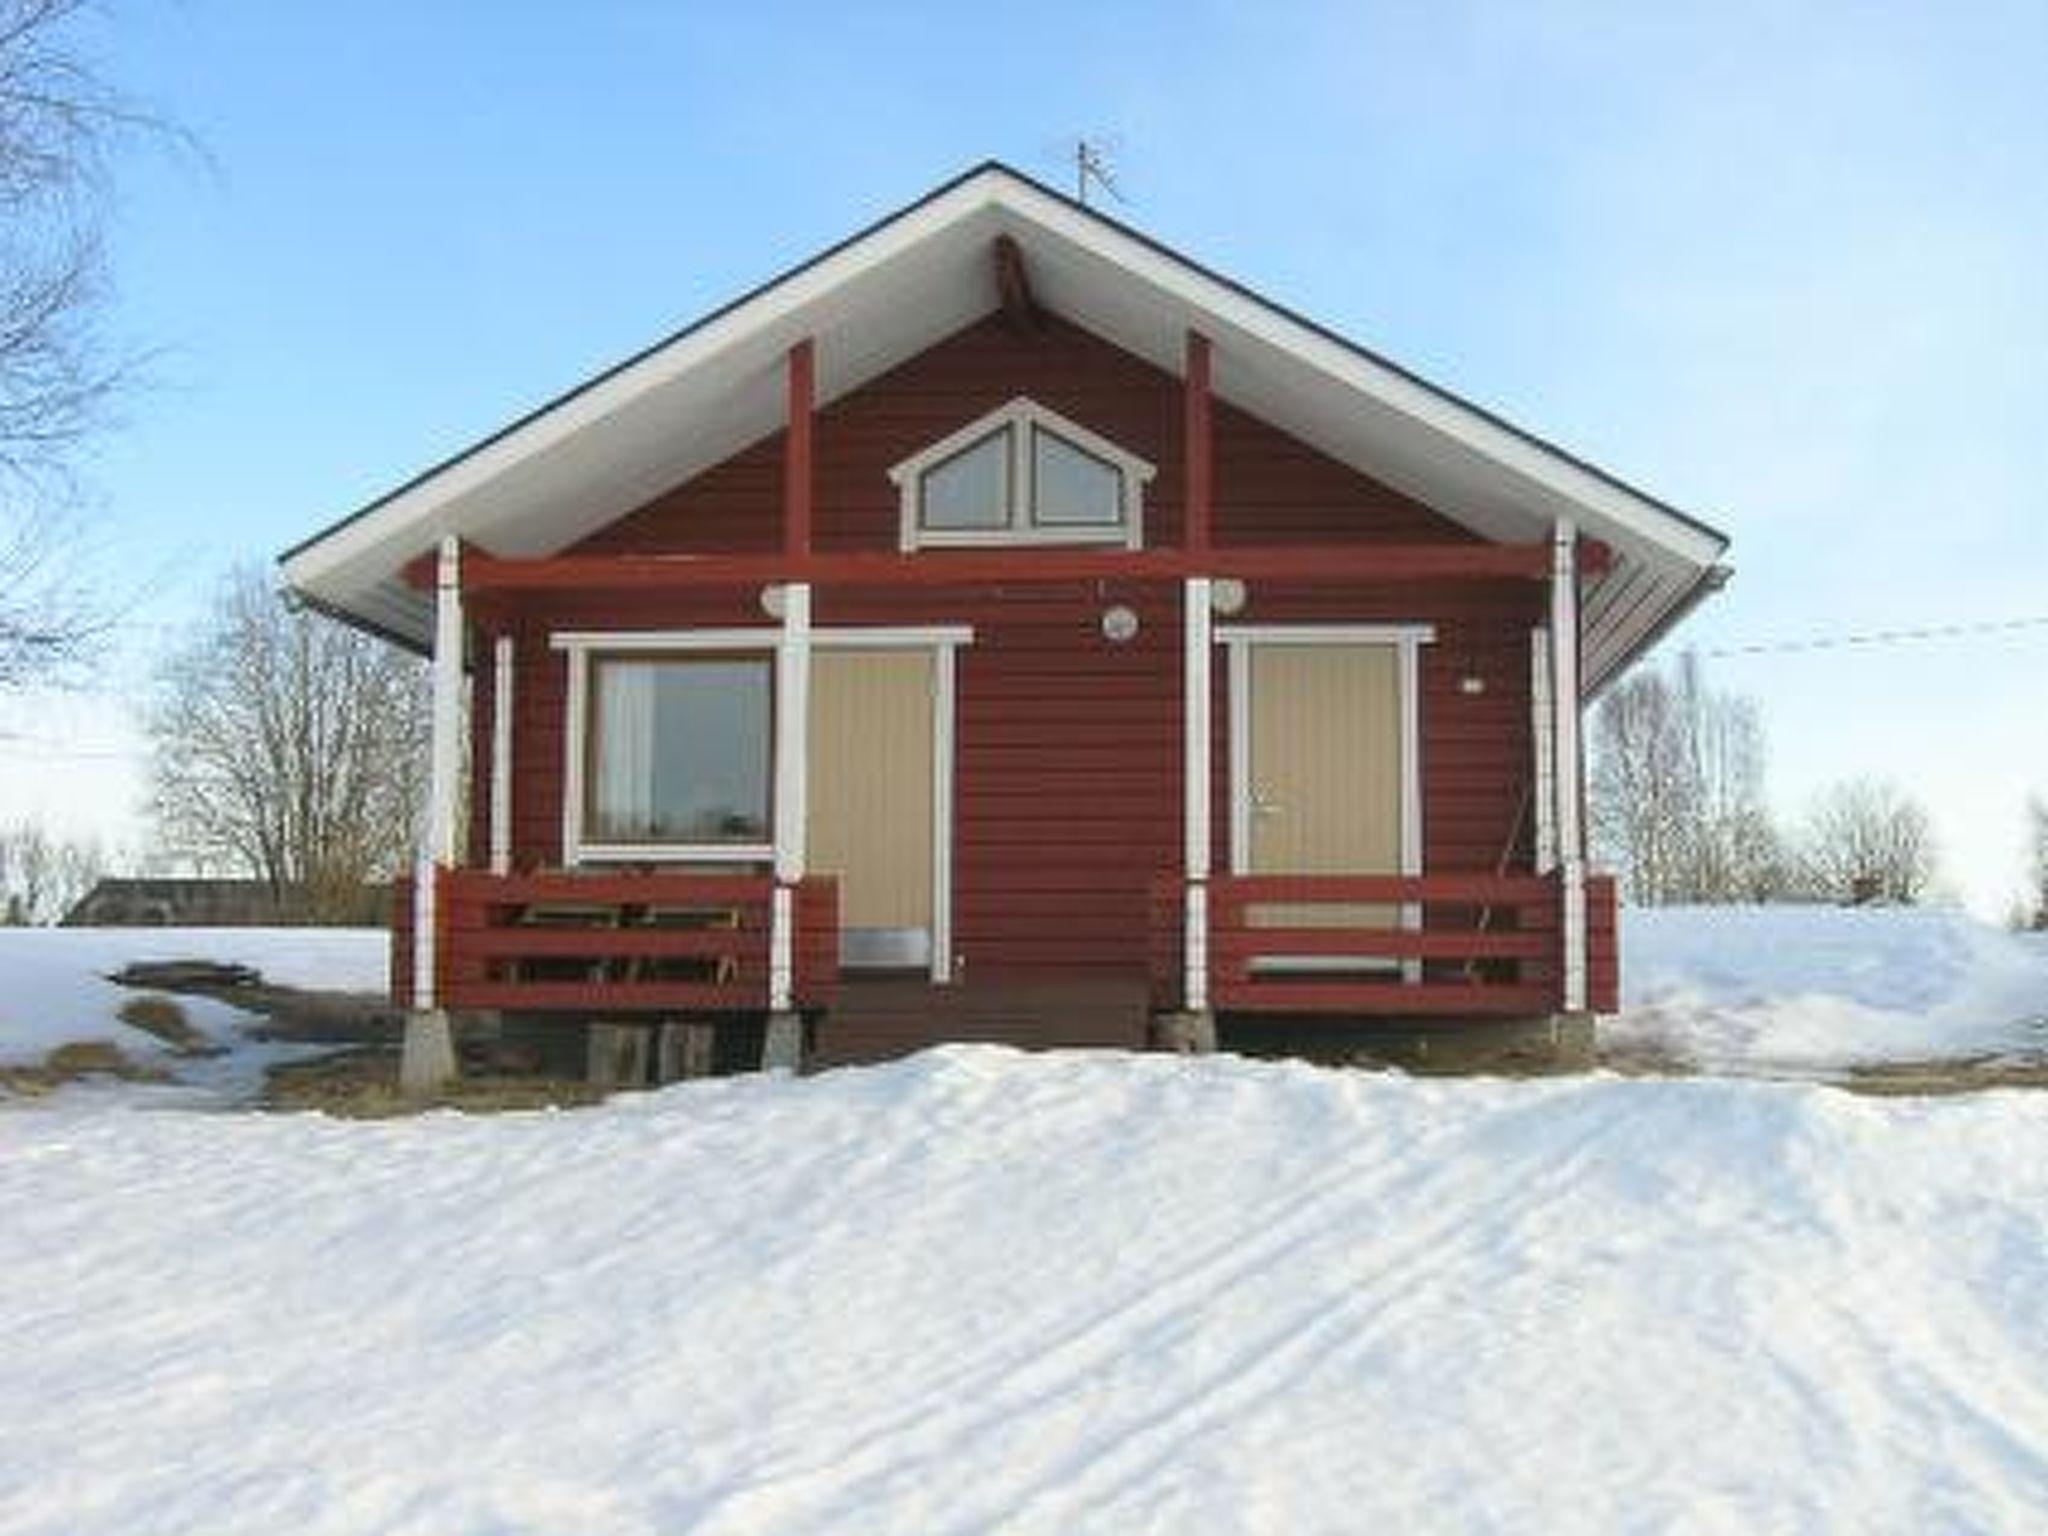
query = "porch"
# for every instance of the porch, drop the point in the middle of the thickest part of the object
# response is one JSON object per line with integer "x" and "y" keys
{"x": 648, "y": 946}
{"x": 620, "y": 942}
{"x": 1449, "y": 946}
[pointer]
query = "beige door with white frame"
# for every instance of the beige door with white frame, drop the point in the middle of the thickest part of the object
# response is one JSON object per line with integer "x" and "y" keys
{"x": 1323, "y": 770}
{"x": 871, "y": 809}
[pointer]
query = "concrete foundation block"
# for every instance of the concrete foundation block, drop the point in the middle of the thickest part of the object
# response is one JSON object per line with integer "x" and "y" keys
{"x": 1190, "y": 1033}
{"x": 684, "y": 1051}
{"x": 426, "y": 1061}
{"x": 618, "y": 1055}
{"x": 782, "y": 1048}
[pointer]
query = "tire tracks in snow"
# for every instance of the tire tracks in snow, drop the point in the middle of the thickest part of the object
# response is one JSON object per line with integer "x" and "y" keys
{"x": 1319, "y": 1334}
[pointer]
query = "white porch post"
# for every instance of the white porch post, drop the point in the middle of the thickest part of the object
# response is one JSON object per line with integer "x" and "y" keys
{"x": 1564, "y": 688}
{"x": 428, "y": 1058}
{"x": 501, "y": 756}
{"x": 1196, "y": 751}
{"x": 792, "y": 730}
{"x": 1542, "y": 735}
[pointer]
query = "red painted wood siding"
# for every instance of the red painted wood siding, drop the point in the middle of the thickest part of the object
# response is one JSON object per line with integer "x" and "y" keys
{"x": 1069, "y": 748}
{"x": 1270, "y": 487}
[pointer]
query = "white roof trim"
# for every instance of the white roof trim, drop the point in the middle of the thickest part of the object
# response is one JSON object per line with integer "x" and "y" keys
{"x": 1026, "y": 411}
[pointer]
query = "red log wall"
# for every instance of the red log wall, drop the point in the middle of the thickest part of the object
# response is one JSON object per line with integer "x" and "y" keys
{"x": 1069, "y": 748}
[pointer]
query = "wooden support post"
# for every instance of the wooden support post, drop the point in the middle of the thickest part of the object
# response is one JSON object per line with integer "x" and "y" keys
{"x": 783, "y": 1046}
{"x": 444, "y": 789}
{"x": 1195, "y": 773}
{"x": 1013, "y": 285}
{"x": 1542, "y": 732}
{"x": 797, "y": 493}
{"x": 501, "y": 755}
{"x": 1564, "y": 686}
{"x": 427, "y": 1058}
{"x": 1199, "y": 464}
{"x": 792, "y": 732}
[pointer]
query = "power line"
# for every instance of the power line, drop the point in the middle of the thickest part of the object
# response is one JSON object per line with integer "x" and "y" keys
{"x": 1883, "y": 637}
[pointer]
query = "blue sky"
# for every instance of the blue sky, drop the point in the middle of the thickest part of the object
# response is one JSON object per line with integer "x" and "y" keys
{"x": 1785, "y": 265}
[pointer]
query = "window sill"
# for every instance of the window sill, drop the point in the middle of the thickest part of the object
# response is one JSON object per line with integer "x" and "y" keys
{"x": 1030, "y": 538}
{"x": 671, "y": 853}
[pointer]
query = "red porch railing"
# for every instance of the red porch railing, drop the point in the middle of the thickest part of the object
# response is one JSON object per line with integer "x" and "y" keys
{"x": 1452, "y": 944}
{"x": 621, "y": 942}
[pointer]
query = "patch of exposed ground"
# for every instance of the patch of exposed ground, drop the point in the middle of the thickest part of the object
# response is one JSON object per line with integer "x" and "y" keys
{"x": 78, "y": 1061}
{"x": 164, "y": 1017}
{"x": 290, "y": 1014}
{"x": 363, "y": 1084}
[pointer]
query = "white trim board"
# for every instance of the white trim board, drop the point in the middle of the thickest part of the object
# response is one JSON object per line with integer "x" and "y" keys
{"x": 1019, "y": 418}
{"x": 1326, "y": 634}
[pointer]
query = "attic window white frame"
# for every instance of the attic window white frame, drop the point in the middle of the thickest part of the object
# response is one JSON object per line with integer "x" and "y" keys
{"x": 1016, "y": 421}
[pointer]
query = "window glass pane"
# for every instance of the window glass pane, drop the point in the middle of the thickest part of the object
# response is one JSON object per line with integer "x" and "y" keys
{"x": 971, "y": 489}
{"x": 1072, "y": 486}
{"x": 679, "y": 750}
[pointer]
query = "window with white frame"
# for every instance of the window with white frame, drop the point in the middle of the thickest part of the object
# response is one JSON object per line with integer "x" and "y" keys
{"x": 1022, "y": 474}
{"x": 677, "y": 752}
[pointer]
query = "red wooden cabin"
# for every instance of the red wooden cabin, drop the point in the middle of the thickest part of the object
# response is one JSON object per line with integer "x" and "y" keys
{"x": 1001, "y": 626}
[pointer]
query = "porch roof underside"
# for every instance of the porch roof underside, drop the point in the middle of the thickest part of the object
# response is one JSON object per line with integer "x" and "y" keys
{"x": 878, "y": 299}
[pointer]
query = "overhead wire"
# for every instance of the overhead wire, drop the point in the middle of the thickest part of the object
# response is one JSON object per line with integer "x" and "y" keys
{"x": 1901, "y": 636}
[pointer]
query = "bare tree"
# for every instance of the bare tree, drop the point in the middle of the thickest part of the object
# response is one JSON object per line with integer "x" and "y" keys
{"x": 1866, "y": 840}
{"x": 2037, "y": 860}
{"x": 289, "y": 747}
{"x": 58, "y": 119}
{"x": 42, "y": 876}
{"x": 1677, "y": 791}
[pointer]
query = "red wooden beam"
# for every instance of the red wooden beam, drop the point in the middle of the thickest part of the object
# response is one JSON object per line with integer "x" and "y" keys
{"x": 796, "y": 456}
{"x": 1013, "y": 285}
{"x": 483, "y": 573}
{"x": 1383, "y": 997}
{"x": 1198, "y": 476}
{"x": 1317, "y": 563}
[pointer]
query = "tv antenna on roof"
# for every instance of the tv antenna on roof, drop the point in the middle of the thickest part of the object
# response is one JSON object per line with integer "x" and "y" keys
{"x": 1091, "y": 168}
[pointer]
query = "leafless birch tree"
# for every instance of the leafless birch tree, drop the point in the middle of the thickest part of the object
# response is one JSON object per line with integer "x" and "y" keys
{"x": 289, "y": 747}
{"x": 58, "y": 119}
{"x": 1866, "y": 840}
{"x": 2037, "y": 860}
{"x": 41, "y": 876}
{"x": 1677, "y": 791}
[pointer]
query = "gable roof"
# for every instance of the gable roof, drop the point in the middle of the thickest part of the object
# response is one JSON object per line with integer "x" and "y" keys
{"x": 883, "y": 295}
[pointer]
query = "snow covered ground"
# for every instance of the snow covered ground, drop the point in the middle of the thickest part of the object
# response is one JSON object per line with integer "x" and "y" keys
{"x": 1787, "y": 990}
{"x": 980, "y": 1290}
{"x": 1818, "y": 988}
{"x": 53, "y": 986}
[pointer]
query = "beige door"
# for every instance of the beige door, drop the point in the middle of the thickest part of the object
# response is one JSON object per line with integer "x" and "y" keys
{"x": 871, "y": 798}
{"x": 1323, "y": 771}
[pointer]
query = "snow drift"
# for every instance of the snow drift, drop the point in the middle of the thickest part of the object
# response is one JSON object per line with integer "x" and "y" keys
{"x": 1804, "y": 987}
{"x": 981, "y": 1290}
